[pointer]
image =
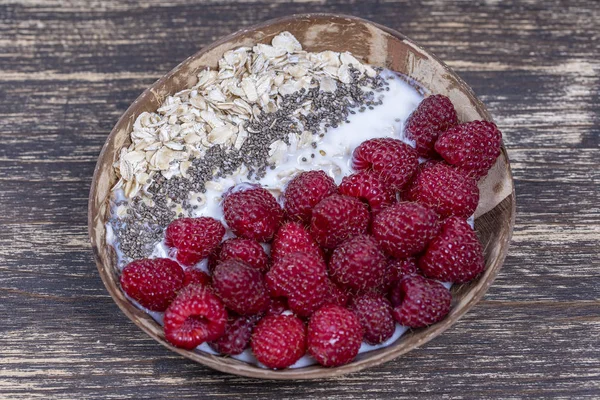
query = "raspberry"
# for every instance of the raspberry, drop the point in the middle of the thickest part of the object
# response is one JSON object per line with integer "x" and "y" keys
{"x": 421, "y": 301}
{"x": 456, "y": 255}
{"x": 252, "y": 213}
{"x": 404, "y": 229}
{"x": 338, "y": 218}
{"x": 192, "y": 239}
{"x": 337, "y": 295}
{"x": 393, "y": 161}
{"x": 194, "y": 317}
{"x": 302, "y": 279}
{"x": 247, "y": 250}
{"x": 445, "y": 190}
{"x": 291, "y": 238}
{"x": 398, "y": 270}
{"x": 196, "y": 277}
{"x": 152, "y": 283}
{"x": 473, "y": 147}
{"x": 241, "y": 287}
{"x": 358, "y": 264}
{"x": 375, "y": 314}
{"x": 367, "y": 186}
{"x": 304, "y": 192}
{"x": 433, "y": 116}
{"x": 334, "y": 335}
{"x": 279, "y": 341}
{"x": 236, "y": 337}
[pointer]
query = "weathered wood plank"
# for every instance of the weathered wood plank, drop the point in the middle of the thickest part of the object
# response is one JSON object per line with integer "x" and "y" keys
{"x": 493, "y": 331}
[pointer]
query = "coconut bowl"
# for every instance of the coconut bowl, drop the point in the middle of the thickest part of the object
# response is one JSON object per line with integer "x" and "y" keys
{"x": 375, "y": 45}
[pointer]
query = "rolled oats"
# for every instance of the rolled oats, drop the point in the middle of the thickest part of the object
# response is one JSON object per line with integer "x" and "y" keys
{"x": 218, "y": 108}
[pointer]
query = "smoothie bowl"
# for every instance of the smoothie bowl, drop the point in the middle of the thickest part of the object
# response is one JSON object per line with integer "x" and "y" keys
{"x": 302, "y": 199}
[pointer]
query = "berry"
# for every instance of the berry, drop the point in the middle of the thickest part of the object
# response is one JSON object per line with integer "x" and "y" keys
{"x": 194, "y": 317}
{"x": 247, "y": 250}
{"x": 241, "y": 287}
{"x": 279, "y": 341}
{"x": 236, "y": 337}
{"x": 304, "y": 192}
{"x": 433, "y": 116}
{"x": 302, "y": 279}
{"x": 196, "y": 277}
{"x": 473, "y": 147}
{"x": 358, "y": 264}
{"x": 338, "y": 218}
{"x": 192, "y": 239}
{"x": 367, "y": 186}
{"x": 421, "y": 301}
{"x": 398, "y": 270}
{"x": 291, "y": 238}
{"x": 456, "y": 255}
{"x": 375, "y": 315}
{"x": 152, "y": 283}
{"x": 337, "y": 295}
{"x": 334, "y": 335}
{"x": 393, "y": 161}
{"x": 404, "y": 229}
{"x": 252, "y": 213}
{"x": 445, "y": 190}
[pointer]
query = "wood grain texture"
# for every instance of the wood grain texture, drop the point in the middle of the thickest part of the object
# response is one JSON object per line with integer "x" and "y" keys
{"x": 69, "y": 69}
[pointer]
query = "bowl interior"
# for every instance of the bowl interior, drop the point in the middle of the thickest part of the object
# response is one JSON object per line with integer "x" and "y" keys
{"x": 376, "y": 45}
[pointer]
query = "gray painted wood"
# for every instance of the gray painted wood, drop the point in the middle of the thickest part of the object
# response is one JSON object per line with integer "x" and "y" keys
{"x": 67, "y": 71}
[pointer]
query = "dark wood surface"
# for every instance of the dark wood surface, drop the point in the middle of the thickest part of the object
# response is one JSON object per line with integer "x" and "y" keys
{"x": 69, "y": 69}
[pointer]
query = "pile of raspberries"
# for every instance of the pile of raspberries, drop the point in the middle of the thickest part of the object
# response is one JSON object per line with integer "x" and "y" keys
{"x": 345, "y": 263}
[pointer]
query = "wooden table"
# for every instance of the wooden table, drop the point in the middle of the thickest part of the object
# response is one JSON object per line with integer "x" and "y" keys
{"x": 69, "y": 69}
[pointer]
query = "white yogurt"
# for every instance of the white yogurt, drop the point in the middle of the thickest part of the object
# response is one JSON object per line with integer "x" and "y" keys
{"x": 385, "y": 120}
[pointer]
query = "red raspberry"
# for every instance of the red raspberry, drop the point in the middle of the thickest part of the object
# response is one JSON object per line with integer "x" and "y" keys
{"x": 398, "y": 270}
{"x": 304, "y": 192}
{"x": 247, "y": 250}
{"x": 433, "y": 116}
{"x": 422, "y": 301}
{"x": 367, "y": 186}
{"x": 473, "y": 147}
{"x": 152, "y": 283}
{"x": 456, "y": 255}
{"x": 337, "y": 295}
{"x": 334, "y": 335}
{"x": 277, "y": 306}
{"x": 358, "y": 264}
{"x": 445, "y": 190}
{"x": 302, "y": 279}
{"x": 375, "y": 314}
{"x": 404, "y": 229}
{"x": 291, "y": 238}
{"x": 279, "y": 341}
{"x": 241, "y": 287}
{"x": 392, "y": 160}
{"x": 192, "y": 239}
{"x": 237, "y": 335}
{"x": 194, "y": 317}
{"x": 252, "y": 213}
{"x": 196, "y": 277}
{"x": 338, "y": 218}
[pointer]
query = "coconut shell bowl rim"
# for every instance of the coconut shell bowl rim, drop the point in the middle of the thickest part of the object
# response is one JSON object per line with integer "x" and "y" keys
{"x": 376, "y": 45}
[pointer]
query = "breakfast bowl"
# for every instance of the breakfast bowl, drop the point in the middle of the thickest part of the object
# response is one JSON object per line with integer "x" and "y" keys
{"x": 377, "y": 46}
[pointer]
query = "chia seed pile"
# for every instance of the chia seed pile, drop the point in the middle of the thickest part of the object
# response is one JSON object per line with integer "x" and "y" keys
{"x": 143, "y": 225}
